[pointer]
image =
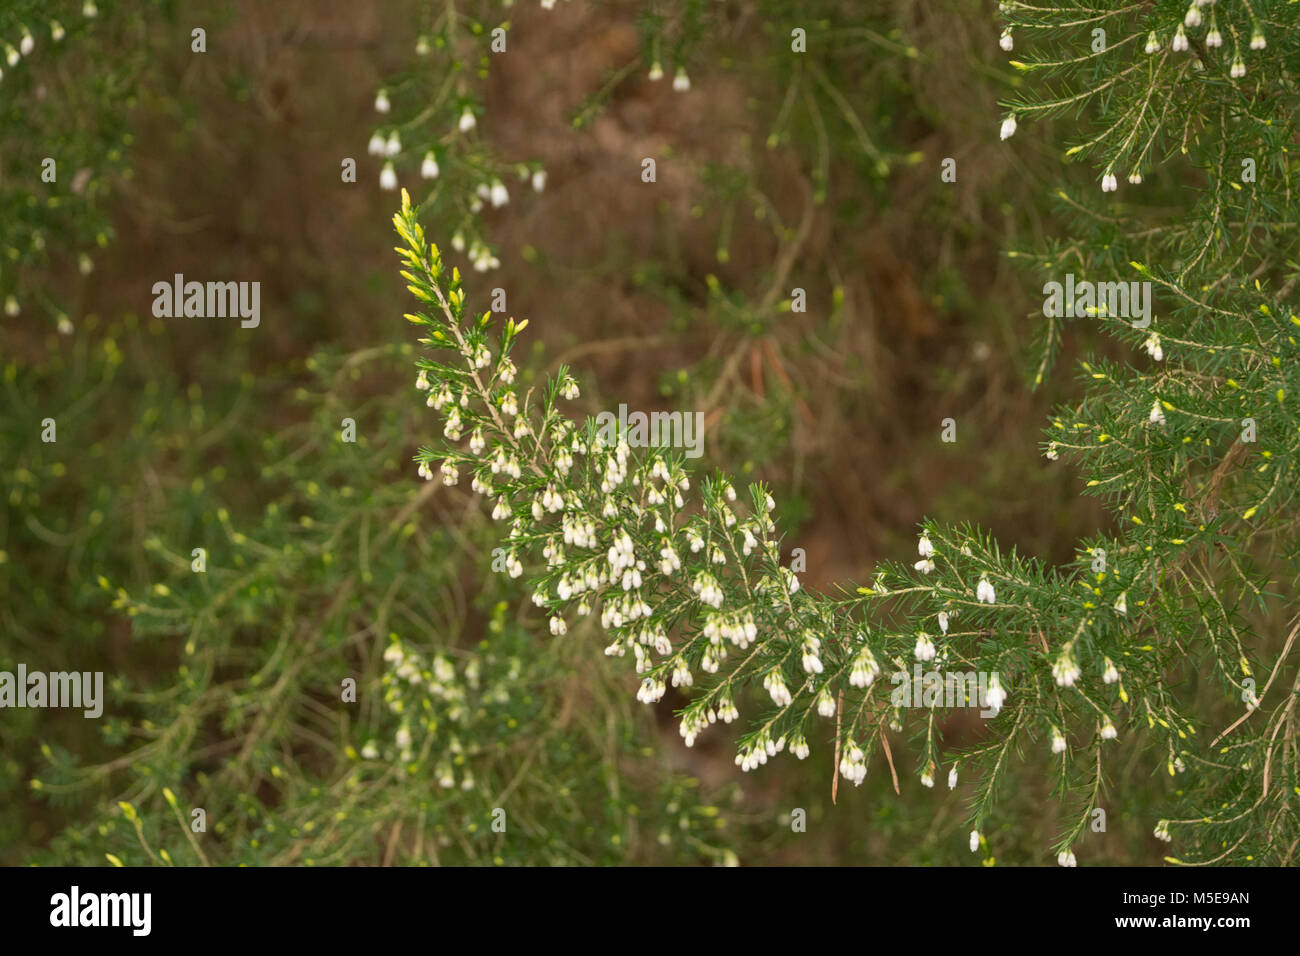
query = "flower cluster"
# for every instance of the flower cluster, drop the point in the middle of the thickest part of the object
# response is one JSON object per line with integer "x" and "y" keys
{"x": 428, "y": 127}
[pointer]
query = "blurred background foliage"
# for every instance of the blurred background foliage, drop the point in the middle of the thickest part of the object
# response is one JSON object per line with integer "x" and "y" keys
{"x": 776, "y": 171}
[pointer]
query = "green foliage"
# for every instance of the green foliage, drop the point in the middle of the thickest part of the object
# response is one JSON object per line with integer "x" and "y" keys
{"x": 1166, "y": 629}
{"x": 1158, "y": 684}
{"x": 64, "y": 110}
{"x": 254, "y": 725}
